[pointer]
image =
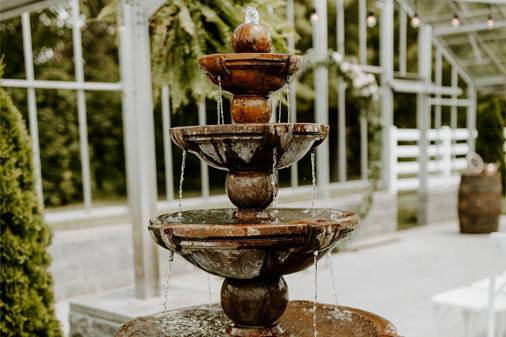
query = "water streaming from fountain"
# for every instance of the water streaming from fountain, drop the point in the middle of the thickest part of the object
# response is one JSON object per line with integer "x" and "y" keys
{"x": 333, "y": 279}
{"x": 209, "y": 293}
{"x": 181, "y": 179}
{"x": 315, "y": 299}
{"x": 274, "y": 176}
{"x": 288, "y": 106}
{"x": 280, "y": 108}
{"x": 167, "y": 282}
{"x": 313, "y": 179}
{"x": 220, "y": 113}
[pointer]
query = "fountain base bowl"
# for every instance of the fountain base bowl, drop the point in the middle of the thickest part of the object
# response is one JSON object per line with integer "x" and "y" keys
{"x": 297, "y": 321}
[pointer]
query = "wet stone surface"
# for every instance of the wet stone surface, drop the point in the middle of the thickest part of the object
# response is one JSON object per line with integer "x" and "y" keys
{"x": 267, "y": 243}
{"x": 274, "y": 216}
{"x": 210, "y": 321}
{"x": 249, "y": 147}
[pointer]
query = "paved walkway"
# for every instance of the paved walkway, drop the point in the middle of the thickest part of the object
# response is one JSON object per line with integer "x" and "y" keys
{"x": 393, "y": 276}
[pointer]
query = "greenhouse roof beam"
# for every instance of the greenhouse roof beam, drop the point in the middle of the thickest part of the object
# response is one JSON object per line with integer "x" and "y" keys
{"x": 467, "y": 28}
{"x": 12, "y": 8}
{"x": 464, "y": 9}
{"x": 487, "y": 81}
{"x": 497, "y": 2}
{"x": 474, "y": 45}
{"x": 492, "y": 36}
{"x": 443, "y": 18}
{"x": 436, "y": 41}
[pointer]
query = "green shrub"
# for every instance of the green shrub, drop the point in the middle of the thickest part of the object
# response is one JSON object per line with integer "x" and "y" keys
{"x": 490, "y": 142}
{"x": 26, "y": 298}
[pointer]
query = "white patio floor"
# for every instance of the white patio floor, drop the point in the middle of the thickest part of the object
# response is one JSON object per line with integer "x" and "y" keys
{"x": 392, "y": 276}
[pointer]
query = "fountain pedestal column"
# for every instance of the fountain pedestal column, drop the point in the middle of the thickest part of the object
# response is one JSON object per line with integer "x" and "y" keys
{"x": 254, "y": 305}
{"x": 250, "y": 190}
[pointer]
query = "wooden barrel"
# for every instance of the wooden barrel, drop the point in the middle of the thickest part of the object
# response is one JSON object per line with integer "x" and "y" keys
{"x": 479, "y": 203}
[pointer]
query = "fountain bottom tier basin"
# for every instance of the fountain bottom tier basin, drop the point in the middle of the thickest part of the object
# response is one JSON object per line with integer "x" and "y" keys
{"x": 297, "y": 321}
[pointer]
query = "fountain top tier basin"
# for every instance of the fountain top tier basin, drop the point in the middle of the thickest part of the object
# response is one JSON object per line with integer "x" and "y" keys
{"x": 210, "y": 321}
{"x": 252, "y": 244}
{"x": 249, "y": 147}
{"x": 250, "y": 73}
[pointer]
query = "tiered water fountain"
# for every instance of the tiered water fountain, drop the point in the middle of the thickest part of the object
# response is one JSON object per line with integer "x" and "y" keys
{"x": 253, "y": 246}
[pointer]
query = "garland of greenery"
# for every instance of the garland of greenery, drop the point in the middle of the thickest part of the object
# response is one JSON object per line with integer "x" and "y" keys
{"x": 364, "y": 89}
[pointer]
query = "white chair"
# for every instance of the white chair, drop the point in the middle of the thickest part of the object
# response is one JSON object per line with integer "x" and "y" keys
{"x": 486, "y": 297}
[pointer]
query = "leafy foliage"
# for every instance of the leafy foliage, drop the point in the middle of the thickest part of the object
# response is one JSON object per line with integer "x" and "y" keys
{"x": 184, "y": 30}
{"x": 26, "y": 298}
{"x": 57, "y": 109}
{"x": 490, "y": 142}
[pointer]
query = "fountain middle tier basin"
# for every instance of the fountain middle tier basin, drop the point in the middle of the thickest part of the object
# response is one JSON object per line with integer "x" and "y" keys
{"x": 248, "y": 245}
{"x": 250, "y": 147}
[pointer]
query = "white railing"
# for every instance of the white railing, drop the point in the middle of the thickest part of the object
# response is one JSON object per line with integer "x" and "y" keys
{"x": 446, "y": 151}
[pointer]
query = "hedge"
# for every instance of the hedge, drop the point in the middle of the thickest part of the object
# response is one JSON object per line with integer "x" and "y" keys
{"x": 26, "y": 297}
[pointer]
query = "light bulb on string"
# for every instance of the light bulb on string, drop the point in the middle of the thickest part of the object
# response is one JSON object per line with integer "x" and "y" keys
{"x": 455, "y": 21}
{"x": 371, "y": 19}
{"x": 415, "y": 21}
{"x": 314, "y": 16}
{"x": 490, "y": 21}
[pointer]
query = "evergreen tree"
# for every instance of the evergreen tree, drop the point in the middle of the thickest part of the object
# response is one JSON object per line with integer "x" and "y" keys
{"x": 26, "y": 297}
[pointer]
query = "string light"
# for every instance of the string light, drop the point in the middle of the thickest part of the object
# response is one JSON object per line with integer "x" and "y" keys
{"x": 415, "y": 21}
{"x": 371, "y": 19}
{"x": 490, "y": 21}
{"x": 314, "y": 16}
{"x": 455, "y": 21}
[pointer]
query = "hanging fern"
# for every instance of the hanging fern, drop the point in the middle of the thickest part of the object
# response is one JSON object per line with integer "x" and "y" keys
{"x": 184, "y": 30}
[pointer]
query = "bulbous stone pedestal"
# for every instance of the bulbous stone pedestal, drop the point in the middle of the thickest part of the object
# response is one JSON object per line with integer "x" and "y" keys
{"x": 297, "y": 321}
{"x": 254, "y": 305}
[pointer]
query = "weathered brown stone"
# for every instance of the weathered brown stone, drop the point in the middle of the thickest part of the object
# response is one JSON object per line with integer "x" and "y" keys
{"x": 254, "y": 303}
{"x": 251, "y": 38}
{"x": 250, "y": 75}
{"x": 297, "y": 321}
{"x": 250, "y": 109}
{"x": 250, "y": 190}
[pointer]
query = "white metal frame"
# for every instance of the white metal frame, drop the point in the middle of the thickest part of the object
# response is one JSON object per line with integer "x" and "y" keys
{"x": 137, "y": 106}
